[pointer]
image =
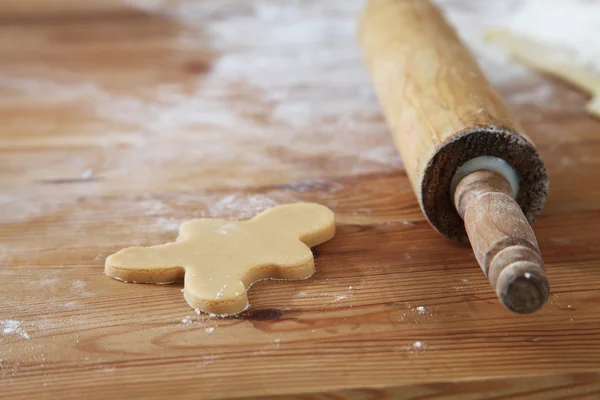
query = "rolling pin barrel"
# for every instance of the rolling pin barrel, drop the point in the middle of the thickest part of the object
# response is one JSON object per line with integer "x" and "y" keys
{"x": 443, "y": 114}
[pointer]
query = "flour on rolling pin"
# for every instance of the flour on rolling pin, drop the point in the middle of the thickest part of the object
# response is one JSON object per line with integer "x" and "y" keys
{"x": 219, "y": 259}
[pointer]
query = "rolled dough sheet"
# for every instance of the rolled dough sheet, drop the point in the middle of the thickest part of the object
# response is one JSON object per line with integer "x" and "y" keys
{"x": 550, "y": 61}
{"x": 218, "y": 260}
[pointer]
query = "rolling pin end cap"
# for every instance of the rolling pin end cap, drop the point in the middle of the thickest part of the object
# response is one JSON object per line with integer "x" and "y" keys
{"x": 523, "y": 287}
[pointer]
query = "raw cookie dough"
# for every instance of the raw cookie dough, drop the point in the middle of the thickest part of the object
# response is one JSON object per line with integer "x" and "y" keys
{"x": 549, "y": 61}
{"x": 218, "y": 260}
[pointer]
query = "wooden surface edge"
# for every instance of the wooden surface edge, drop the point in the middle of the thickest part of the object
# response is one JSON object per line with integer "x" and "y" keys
{"x": 584, "y": 385}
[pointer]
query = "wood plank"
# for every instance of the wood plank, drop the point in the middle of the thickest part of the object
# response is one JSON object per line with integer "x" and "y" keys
{"x": 178, "y": 117}
{"x": 548, "y": 387}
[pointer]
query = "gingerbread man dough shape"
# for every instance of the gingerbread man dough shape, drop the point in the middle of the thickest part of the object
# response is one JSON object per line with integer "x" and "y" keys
{"x": 218, "y": 260}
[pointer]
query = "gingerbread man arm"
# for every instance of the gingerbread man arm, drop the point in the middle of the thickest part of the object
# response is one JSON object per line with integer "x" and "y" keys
{"x": 312, "y": 223}
{"x": 146, "y": 264}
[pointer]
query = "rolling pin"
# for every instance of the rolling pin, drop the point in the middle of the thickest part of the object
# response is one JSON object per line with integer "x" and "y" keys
{"x": 476, "y": 176}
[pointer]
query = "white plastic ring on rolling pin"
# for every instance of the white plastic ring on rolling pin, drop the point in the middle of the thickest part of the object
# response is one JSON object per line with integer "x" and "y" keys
{"x": 486, "y": 163}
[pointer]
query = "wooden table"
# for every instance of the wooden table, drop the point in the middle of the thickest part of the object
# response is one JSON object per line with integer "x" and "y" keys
{"x": 122, "y": 120}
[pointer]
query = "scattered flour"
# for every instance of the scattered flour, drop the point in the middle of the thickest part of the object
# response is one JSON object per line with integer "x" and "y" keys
{"x": 49, "y": 281}
{"x": 13, "y": 327}
{"x": 80, "y": 288}
{"x": 71, "y": 304}
{"x": 78, "y": 284}
{"x": 167, "y": 224}
{"x": 418, "y": 345}
{"x": 209, "y": 330}
{"x": 87, "y": 174}
{"x": 261, "y": 106}
{"x": 241, "y": 206}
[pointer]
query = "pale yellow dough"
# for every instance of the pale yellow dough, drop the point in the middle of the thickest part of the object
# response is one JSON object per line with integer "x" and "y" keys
{"x": 218, "y": 260}
{"x": 550, "y": 61}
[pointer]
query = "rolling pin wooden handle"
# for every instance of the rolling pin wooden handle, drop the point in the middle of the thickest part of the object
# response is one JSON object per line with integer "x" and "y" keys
{"x": 502, "y": 240}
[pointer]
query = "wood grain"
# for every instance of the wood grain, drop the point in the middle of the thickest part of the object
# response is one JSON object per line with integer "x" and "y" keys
{"x": 149, "y": 100}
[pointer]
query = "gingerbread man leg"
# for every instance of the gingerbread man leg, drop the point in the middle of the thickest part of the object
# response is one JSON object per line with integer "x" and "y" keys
{"x": 226, "y": 293}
